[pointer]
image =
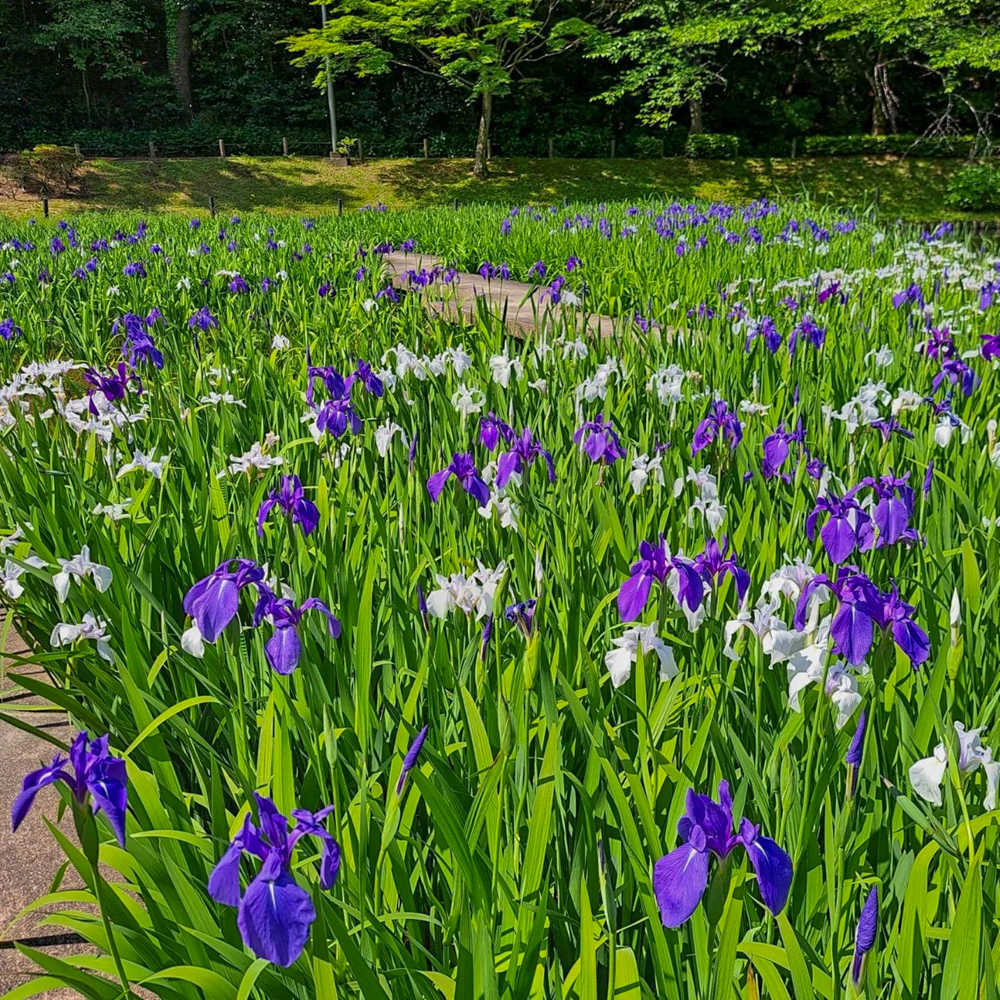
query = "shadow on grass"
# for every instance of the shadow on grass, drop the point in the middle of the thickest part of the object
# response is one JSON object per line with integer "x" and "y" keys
{"x": 912, "y": 189}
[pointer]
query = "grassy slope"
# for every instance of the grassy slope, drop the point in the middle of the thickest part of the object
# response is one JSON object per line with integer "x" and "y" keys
{"x": 911, "y": 189}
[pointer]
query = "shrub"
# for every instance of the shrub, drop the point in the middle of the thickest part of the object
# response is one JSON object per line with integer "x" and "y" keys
{"x": 43, "y": 170}
{"x": 891, "y": 145}
{"x": 974, "y": 189}
{"x": 711, "y": 146}
{"x": 13, "y": 175}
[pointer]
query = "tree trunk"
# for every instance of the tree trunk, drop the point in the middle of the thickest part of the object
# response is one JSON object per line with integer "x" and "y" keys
{"x": 697, "y": 122}
{"x": 879, "y": 123}
{"x": 180, "y": 57}
{"x": 86, "y": 96}
{"x": 479, "y": 167}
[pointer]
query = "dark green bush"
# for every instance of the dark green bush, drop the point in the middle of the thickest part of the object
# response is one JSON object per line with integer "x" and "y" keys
{"x": 892, "y": 145}
{"x": 711, "y": 146}
{"x": 974, "y": 189}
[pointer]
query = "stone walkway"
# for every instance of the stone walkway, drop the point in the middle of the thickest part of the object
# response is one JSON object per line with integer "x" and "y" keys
{"x": 518, "y": 304}
{"x": 30, "y": 858}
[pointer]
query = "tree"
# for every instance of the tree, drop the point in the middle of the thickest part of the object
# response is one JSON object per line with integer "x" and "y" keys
{"x": 673, "y": 51}
{"x": 478, "y": 45}
{"x": 955, "y": 42}
{"x": 94, "y": 34}
{"x": 178, "y": 14}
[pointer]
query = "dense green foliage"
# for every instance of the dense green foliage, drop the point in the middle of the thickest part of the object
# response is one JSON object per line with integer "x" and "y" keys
{"x": 223, "y": 68}
{"x": 975, "y": 188}
{"x": 516, "y": 861}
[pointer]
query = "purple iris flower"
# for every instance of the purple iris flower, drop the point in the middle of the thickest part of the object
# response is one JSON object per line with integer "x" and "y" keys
{"x": 894, "y": 507}
{"x": 238, "y": 286}
{"x": 522, "y": 615}
{"x": 928, "y": 478}
{"x": 958, "y": 373}
{"x": 363, "y": 373}
{"x": 991, "y": 346}
{"x": 291, "y": 498}
{"x": 538, "y": 270}
{"x": 656, "y": 563}
{"x": 861, "y": 608}
{"x": 213, "y": 601}
{"x": 939, "y": 345}
{"x": 134, "y": 269}
{"x": 203, "y": 319}
{"x": 807, "y": 329}
{"x": 681, "y": 877}
{"x": 554, "y": 291}
{"x": 897, "y": 617}
{"x": 335, "y": 383}
{"x": 336, "y": 416}
{"x": 889, "y": 427}
{"x": 521, "y": 457}
{"x": 720, "y": 422}
{"x": 139, "y": 348}
{"x": 94, "y": 773}
{"x": 913, "y": 293}
{"x": 492, "y": 428}
{"x": 9, "y": 329}
{"x": 864, "y": 939}
{"x": 847, "y": 527}
{"x": 717, "y": 561}
{"x": 601, "y": 444}
{"x": 410, "y": 760}
{"x": 776, "y": 449}
{"x": 112, "y": 386}
{"x": 768, "y": 332}
{"x": 284, "y": 649}
{"x": 275, "y": 912}
{"x": 463, "y": 468}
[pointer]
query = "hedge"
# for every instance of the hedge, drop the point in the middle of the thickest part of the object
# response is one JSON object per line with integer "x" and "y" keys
{"x": 895, "y": 145}
{"x": 712, "y": 146}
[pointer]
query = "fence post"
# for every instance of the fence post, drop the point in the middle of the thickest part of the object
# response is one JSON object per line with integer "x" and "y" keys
{"x": 284, "y": 145}
{"x": 795, "y": 146}
{"x": 361, "y": 152}
{"x": 76, "y": 148}
{"x": 211, "y": 205}
{"x": 45, "y": 207}
{"x": 152, "y": 152}
{"x": 663, "y": 149}
{"x": 489, "y": 149}
{"x": 613, "y": 145}
{"x": 551, "y": 147}
{"x": 427, "y": 149}
{"x": 340, "y": 206}
{"x": 454, "y": 204}
{"x": 222, "y": 148}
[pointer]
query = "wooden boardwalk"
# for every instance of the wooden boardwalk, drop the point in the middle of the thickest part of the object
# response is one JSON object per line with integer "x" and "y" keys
{"x": 519, "y": 305}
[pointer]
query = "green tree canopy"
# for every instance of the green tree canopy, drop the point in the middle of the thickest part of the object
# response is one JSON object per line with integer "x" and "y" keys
{"x": 478, "y": 45}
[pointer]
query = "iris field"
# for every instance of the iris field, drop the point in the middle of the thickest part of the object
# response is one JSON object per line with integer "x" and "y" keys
{"x": 415, "y": 660}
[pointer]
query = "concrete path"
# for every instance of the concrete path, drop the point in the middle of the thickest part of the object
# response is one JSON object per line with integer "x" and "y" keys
{"x": 520, "y": 305}
{"x": 30, "y": 858}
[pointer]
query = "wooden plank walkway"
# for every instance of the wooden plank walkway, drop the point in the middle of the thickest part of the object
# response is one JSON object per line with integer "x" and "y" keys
{"x": 518, "y": 304}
